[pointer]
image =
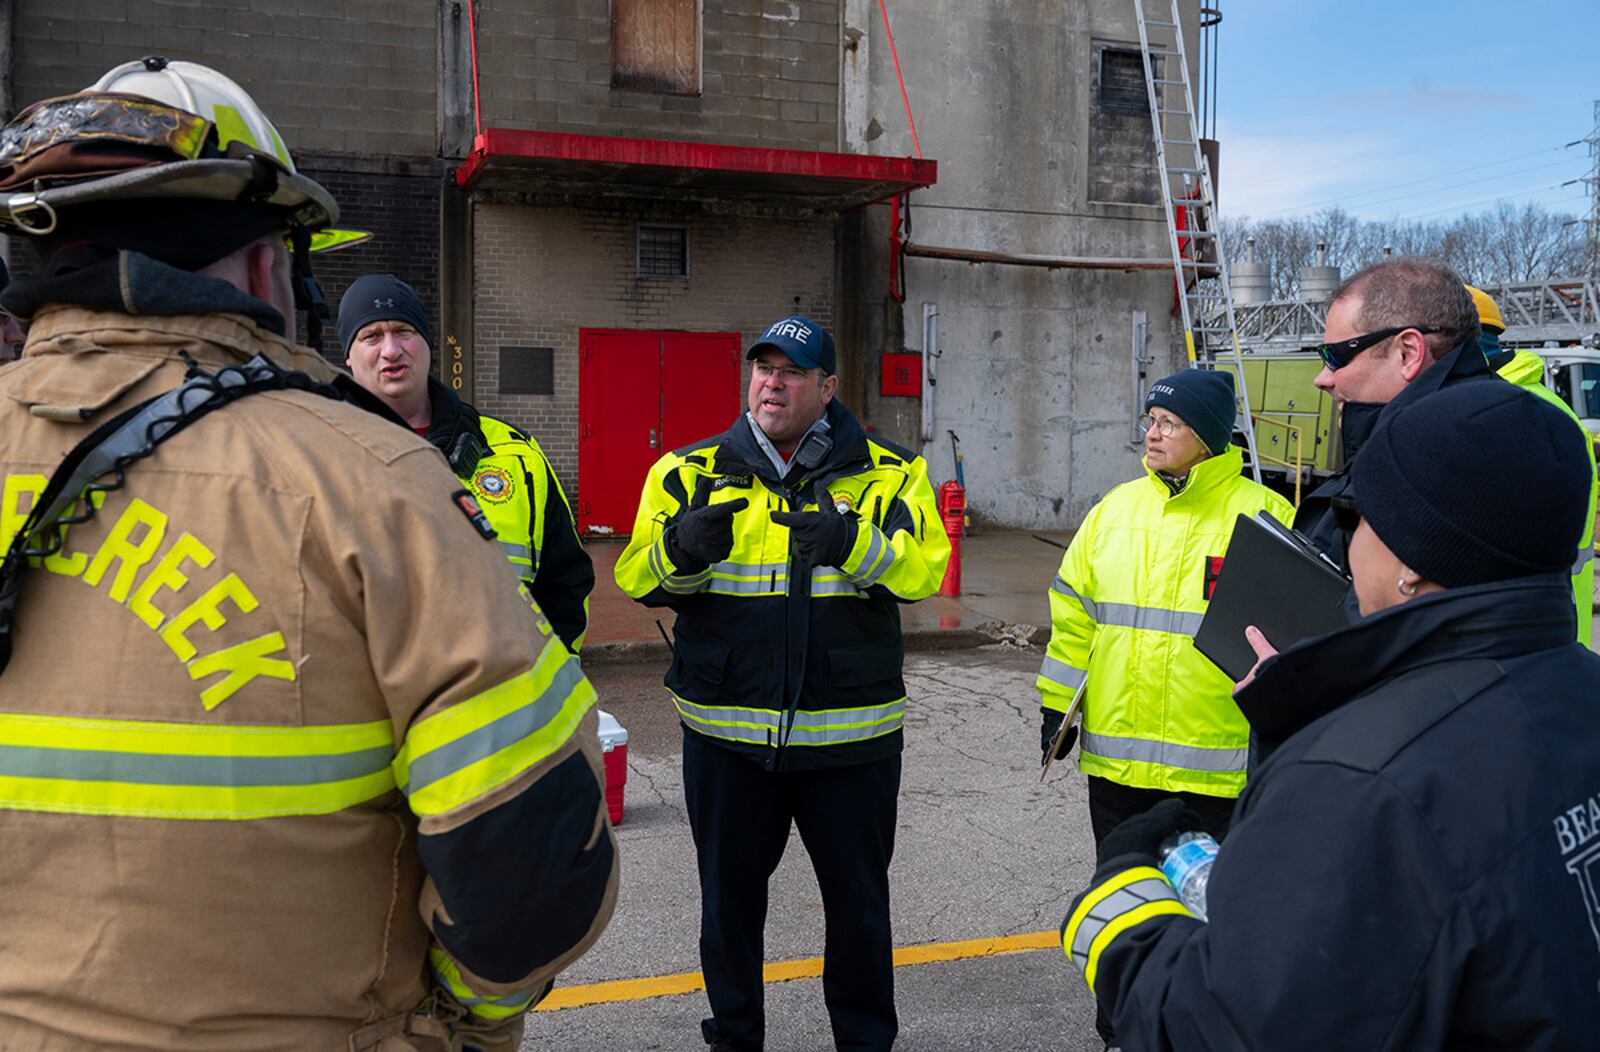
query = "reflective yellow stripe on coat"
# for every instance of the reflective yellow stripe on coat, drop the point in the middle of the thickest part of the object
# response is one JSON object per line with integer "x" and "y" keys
{"x": 146, "y": 769}
{"x": 487, "y": 1006}
{"x": 460, "y": 753}
{"x": 1124, "y": 901}
{"x": 810, "y": 727}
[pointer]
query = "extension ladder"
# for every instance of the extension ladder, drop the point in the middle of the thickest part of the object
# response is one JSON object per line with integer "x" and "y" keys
{"x": 1204, "y": 298}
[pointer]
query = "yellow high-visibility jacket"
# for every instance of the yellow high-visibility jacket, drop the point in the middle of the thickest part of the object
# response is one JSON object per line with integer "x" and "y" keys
{"x": 515, "y": 486}
{"x": 1526, "y": 370}
{"x": 1124, "y": 608}
{"x": 760, "y": 629}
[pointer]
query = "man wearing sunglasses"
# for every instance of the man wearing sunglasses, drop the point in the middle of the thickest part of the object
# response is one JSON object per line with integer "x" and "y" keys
{"x": 1400, "y": 328}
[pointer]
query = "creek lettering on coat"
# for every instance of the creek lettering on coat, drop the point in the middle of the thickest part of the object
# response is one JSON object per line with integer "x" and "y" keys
{"x": 156, "y": 586}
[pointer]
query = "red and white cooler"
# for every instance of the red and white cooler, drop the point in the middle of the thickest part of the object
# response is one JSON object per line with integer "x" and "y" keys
{"x": 614, "y": 744}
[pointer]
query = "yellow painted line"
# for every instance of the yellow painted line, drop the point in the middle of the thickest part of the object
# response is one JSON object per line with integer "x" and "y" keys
{"x": 784, "y": 971}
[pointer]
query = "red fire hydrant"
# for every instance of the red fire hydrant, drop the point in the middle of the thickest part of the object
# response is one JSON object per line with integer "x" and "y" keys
{"x": 953, "y": 510}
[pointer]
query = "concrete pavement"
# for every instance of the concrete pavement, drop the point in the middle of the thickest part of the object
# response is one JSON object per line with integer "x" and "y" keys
{"x": 1005, "y": 577}
{"x": 983, "y": 851}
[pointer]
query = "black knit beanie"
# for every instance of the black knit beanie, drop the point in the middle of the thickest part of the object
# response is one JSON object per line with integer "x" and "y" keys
{"x": 1201, "y": 398}
{"x": 380, "y": 297}
{"x": 1475, "y": 483}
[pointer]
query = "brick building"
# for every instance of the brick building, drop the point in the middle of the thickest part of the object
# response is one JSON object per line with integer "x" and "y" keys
{"x": 643, "y": 184}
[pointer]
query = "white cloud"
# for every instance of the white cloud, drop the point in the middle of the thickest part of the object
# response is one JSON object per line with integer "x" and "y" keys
{"x": 1263, "y": 175}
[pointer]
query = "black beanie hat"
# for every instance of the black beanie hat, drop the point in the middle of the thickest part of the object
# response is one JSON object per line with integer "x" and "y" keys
{"x": 1477, "y": 482}
{"x": 380, "y": 297}
{"x": 1201, "y": 398}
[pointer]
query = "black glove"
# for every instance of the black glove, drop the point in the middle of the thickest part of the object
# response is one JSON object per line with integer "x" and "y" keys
{"x": 703, "y": 534}
{"x": 1049, "y": 723}
{"x": 819, "y": 538}
{"x": 1143, "y": 834}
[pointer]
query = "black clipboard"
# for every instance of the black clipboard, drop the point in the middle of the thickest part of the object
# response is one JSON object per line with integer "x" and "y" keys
{"x": 1274, "y": 579}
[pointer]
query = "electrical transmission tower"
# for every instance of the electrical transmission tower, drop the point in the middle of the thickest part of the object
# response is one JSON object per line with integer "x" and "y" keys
{"x": 1591, "y": 253}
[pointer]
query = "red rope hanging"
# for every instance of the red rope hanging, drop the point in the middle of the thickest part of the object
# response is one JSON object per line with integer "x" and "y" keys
{"x": 883, "y": 6}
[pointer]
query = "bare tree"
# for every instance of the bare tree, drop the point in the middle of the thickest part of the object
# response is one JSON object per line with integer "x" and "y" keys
{"x": 1502, "y": 244}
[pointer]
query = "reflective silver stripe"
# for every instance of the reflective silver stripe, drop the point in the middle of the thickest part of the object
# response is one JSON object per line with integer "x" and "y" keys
{"x": 824, "y": 727}
{"x": 1114, "y": 905}
{"x": 734, "y": 586}
{"x": 93, "y": 765}
{"x": 1585, "y": 557}
{"x": 840, "y": 585}
{"x": 517, "y": 552}
{"x": 677, "y": 585}
{"x": 865, "y": 569}
{"x": 492, "y": 737}
{"x": 508, "y": 1001}
{"x": 1164, "y": 754}
{"x": 1069, "y": 676}
{"x": 749, "y": 569}
{"x": 1058, "y": 585}
{"x": 888, "y": 560}
{"x": 1148, "y": 618}
{"x": 657, "y": 566}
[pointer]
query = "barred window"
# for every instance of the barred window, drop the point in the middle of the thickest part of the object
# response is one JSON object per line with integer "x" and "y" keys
{"x": 663, "y": 252}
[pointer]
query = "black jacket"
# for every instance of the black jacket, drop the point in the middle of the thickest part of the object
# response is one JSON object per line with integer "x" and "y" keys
{"x": 764, "y": 640}
{"x": 1315, "y": 519}
{"x": 1416, "y": 863}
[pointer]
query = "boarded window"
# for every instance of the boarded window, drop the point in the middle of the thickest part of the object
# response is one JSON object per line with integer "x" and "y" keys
{"x": 1122, "y": 87}
{"x": 1122, "y": 149}
{"x": 527, "y": 370}
{"x": 655, "y": 46}
{"x": 663, "y": 252}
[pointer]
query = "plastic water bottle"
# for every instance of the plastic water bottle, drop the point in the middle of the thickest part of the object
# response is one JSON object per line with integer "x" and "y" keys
{"x": 1186, "y": 860}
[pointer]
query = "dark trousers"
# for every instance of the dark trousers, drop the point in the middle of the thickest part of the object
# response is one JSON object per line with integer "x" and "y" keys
{"x": 1110, "y": 803}
{"x": 740, "y": 815}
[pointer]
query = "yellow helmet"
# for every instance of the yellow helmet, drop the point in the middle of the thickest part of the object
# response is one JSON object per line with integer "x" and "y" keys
{"x": 1488, "y": 311}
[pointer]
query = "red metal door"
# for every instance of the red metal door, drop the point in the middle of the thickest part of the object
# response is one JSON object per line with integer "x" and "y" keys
{"x": 619, "y": 425}
{"x": 699, "y": 385}
{"x": 641, "y": 393}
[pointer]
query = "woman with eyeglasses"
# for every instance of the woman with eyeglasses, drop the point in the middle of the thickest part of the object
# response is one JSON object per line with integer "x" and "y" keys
{"x": 1416, "y": 861}
{"x": 1158, "y": 718}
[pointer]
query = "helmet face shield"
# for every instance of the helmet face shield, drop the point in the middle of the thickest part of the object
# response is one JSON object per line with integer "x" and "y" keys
{"x": 107, "y": 132}
{"x": 171, "y": 160}
{"x": 151, "y": 129}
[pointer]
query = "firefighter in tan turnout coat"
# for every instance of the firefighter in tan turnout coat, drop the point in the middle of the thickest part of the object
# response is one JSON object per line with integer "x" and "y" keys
{"x": 287, "y": 760}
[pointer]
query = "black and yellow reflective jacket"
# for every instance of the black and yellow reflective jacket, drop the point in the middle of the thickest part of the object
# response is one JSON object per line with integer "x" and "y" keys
{"x": 508, "y": 474}
{"x": 768, "y": 649}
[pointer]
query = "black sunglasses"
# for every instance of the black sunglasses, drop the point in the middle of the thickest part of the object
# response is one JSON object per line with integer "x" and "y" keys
{"x": 1338, "y": 355}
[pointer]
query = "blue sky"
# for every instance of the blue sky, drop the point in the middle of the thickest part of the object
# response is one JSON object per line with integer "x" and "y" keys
{"x": 1421, "y": 110}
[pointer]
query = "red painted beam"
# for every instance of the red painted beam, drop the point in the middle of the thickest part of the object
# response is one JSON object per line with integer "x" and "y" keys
{"x": 505, "y": 143}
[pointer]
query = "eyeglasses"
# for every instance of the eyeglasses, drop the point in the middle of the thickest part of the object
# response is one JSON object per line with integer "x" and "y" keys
{"x": 1338, "y": 355}
{"x": 1166, "y": 427}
